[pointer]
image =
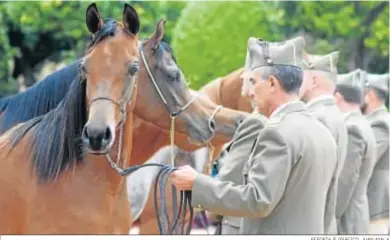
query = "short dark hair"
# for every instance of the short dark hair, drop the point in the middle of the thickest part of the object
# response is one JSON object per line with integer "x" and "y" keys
{"x": 351, "y": 94}
{"x": 382, "y": 95}
{"x": 290, "y": 77}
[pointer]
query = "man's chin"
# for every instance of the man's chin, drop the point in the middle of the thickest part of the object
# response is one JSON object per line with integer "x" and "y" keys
{"x": 302, "y": 98}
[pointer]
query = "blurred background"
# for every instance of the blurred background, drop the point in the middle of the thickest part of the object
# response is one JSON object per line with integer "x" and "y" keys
{"x": 209, "y": 38}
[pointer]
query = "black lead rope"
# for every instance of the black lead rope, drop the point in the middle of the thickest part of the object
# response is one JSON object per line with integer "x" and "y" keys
{"x": 164, "y": 224}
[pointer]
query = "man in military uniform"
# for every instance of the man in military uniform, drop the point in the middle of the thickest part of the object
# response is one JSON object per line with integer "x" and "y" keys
{"x": 376, "y": 95}
{"x": 352, "y": 204}
{"x": 319, "y": 83}
{"x": 289, "y": 166}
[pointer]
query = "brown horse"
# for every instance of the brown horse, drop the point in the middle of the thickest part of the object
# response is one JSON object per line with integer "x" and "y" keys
{"x": 55, "y": 182}
{"x": 196, "y": 120}
{"x": 223, "y": 91}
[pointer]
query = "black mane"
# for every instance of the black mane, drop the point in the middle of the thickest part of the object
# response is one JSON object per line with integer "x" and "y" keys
{"x": 38, "y": 99}
{"x": 169, "y": 49}
{"x": 55, "y": 142}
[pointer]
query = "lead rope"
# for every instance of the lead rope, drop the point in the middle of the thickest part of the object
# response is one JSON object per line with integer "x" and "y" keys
{"x": 163, "y": 175}
{"x": 208, "y": 170}
{"x": 185, "y": 196}
{"x": 173, "y": 188}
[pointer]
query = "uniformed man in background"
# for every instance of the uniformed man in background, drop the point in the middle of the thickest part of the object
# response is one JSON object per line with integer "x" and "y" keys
{"x": 374, "y": 108}
{"x": 319, "y": 84}
{"x": 291, "y": 163}
{"x": 352, "y": 204}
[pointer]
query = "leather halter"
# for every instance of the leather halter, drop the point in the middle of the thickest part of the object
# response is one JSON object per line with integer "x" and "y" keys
{"x": 123, "y": 102}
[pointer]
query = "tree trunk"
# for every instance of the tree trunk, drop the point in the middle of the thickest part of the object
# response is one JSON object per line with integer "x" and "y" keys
{"x": 27, "y": 78}
{"x": 356, "y": 59}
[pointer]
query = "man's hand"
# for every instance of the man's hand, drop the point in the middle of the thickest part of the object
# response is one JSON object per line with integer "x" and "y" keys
{"x": 184, "y": 178}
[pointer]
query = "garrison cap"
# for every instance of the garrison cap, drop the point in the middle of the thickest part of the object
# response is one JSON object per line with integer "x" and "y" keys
{"x": 326, "y": 63}
{"x": 355, "y": 78}
{"x": 262, "y": 53}
{"x": 351, "y": 85}
{"x": 378, "y": 81}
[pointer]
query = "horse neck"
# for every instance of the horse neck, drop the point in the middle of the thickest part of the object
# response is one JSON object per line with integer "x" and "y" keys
{"x": 101, "y": 165}
{"x": 212, "y": 91}
{"x": 149, "y": 139}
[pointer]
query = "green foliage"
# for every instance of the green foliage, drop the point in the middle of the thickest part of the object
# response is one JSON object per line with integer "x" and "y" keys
{"x": 66, "y": 20}
{"x": 337, "y": 25}
{"x": 64, "y": 23}
{"x": 210, "y": 37}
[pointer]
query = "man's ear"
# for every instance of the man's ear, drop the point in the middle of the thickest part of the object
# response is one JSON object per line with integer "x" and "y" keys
{"x": 273, "y": 83}
{"x": 338, "y": 97}
{"x": 314, "y": 81}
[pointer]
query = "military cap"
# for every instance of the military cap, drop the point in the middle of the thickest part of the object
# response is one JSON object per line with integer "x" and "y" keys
{"x": 351, "y": 85}
{"x": 378, "y": 81}
{"x": 326, "y": 63}
{"x": 262, "y": 53}
{"x": 355, "y": 78}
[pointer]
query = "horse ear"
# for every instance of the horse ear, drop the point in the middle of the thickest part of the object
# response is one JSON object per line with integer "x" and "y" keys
{"x": 93, "y": 19}
{"x": 130, "y": 19}
{"x": 159, "y": 33}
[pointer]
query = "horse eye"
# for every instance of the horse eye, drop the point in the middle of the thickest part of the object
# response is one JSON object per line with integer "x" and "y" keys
{"x": 134, "y": 67}
{"x": 174, "y": 76}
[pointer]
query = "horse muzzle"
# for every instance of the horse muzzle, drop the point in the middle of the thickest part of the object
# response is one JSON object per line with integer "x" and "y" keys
{"x": 97, "y": 139}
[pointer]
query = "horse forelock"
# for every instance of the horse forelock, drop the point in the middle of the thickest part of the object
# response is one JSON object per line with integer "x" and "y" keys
{"x": 108, "y": 29}
{"x": 55, "y": 138}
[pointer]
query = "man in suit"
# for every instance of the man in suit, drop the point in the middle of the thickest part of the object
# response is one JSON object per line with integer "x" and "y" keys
{"x": 352, "y": 204}
{"x": 290, "y": 164}
{"x": 376, "y": 95}
{"x": 319, "y": 83}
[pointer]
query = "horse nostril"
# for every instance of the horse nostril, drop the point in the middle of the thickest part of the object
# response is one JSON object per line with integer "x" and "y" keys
{"x": 84, "y": 134}
{"x": 212, "y": 124}
{"x": 107, "y": 134}
{"x": 97, "y": 138}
